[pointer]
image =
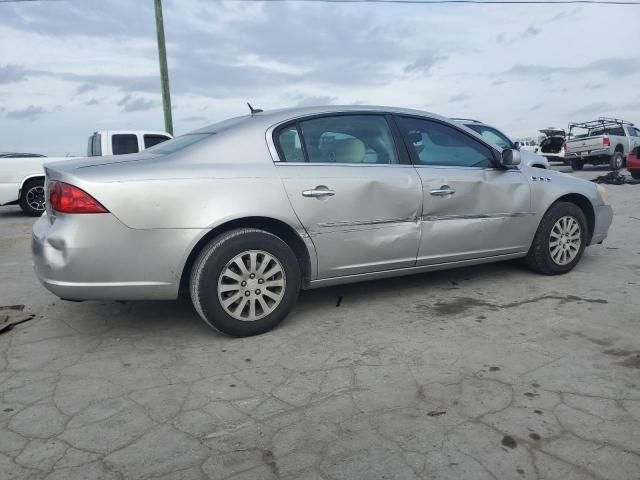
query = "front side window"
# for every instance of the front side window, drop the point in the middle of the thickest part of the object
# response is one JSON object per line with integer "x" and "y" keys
{"x": 341, "y": 139}
{"x": 633, "y": 131}
{"x": 123, "y": 143}
{"x": 152, "y": 140}
{"x": 435, "y": 143}
{"x": 493, "y": 136}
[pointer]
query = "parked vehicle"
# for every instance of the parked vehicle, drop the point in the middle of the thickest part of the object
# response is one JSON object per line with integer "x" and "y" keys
{"x": 526, "y": 145}
{"x": 552, "y": 147}
{"x": 120, "y": 142}
{"x": 18, "y": 155}
{"x": 608, "y": 140}
{"x": 22, "y": 177}
{"x": 633, "y": 163}
{"x": 243, "y": 213}
{"x": 495, "y": 136}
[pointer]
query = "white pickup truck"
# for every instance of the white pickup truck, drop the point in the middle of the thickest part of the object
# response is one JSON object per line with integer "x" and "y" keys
{"x": 607, "y": 140}
{"x": 22, "y": 177}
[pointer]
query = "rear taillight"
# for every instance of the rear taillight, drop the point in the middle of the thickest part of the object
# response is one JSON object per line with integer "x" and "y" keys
{"x": 564, "y": 146}
{"x": 65, "y": 198}
{"x": 606, "y": 142}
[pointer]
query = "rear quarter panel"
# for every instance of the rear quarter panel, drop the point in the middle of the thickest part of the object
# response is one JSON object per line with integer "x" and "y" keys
{"x": 203, "y": 186}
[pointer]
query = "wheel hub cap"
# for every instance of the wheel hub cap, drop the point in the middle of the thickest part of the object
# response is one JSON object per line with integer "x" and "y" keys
{"x": 251, "y": 285}
{"x": 565, "y": 240}
{"x": 35, "y": 198}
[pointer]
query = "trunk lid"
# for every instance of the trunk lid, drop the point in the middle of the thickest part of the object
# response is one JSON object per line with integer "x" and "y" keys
{"x": 585, "y": 144}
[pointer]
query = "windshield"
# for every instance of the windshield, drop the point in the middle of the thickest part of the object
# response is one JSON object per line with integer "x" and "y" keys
{"x": 492, "y": 135}
{"x": 178, "y": 143}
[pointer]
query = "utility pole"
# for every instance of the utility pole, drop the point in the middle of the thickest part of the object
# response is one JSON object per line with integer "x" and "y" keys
{"x": 164, "y": 72}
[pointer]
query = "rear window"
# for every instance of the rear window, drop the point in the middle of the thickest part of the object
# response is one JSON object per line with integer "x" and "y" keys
{"x": 153, "y": 140}
{"x": 178, "y": 143}
{"x": 608, "y": 131}
{"x": 123, "y": 143}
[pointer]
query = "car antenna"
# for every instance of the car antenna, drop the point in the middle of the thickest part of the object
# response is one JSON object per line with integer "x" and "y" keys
{"x": 254, "y": 110}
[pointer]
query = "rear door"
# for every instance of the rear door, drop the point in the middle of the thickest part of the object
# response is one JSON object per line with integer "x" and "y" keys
{"x": 471, "y": 209}
{"x": 357, "y": 196}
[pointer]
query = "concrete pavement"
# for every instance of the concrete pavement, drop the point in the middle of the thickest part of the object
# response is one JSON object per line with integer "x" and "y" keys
{"x": 490, "y": 372}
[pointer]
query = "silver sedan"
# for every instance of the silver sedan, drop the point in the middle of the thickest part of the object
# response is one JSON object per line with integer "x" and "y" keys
{"x": 242, "y": 214}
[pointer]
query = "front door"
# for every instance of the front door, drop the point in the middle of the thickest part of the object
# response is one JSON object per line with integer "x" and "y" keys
{"x": 357, "y": 197}
{"x": 471, "y": 208}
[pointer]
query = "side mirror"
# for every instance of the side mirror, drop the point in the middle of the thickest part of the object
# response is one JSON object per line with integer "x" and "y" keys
{"x": 510, "y": 158}
{"x": 516, "y": 145}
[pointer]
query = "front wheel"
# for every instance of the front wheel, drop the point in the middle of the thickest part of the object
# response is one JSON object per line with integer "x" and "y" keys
{"x": 32, "y": 197}
{"x": 245, "y": 282}
{"x": 617, "y": 161}
{"x": 559, "y": 241}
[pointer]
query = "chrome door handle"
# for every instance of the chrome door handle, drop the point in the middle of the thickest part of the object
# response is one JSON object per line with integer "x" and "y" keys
{"x": 443, "y": 191}
{"x": 318, "y": 193}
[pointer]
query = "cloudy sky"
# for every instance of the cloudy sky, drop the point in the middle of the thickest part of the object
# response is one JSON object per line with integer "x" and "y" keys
{"x": 68, "y": 68}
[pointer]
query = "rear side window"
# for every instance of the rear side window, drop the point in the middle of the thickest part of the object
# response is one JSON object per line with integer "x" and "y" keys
{"x": 435, "y": 143}
{"x": 152, "y": 140}
{"x": 123, "y": 143}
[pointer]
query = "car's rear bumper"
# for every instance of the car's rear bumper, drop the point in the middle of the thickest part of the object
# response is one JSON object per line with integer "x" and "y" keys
{"x": 91, "y": 257}
{"x": 603, "y": 218}
{"x": 587, "y": 154}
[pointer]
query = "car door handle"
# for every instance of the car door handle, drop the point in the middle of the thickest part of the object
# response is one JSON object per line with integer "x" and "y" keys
{"x": 443, "y": 191}
{"x": 318, "y": 193}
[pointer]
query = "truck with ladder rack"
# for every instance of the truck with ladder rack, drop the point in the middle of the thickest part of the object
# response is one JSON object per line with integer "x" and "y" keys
{"x": 605, "y": 141}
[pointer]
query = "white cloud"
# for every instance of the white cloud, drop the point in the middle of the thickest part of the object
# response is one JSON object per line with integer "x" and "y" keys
{"x": 507, "y": 65}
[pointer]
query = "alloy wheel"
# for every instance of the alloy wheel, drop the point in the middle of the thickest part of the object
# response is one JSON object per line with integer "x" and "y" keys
{"x": 36, "y": 198}
{"x": 565, "y": 240}
{"x": 251, "y": 285}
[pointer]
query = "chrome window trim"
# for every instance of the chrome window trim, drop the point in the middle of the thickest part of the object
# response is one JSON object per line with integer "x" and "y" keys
{"x": 273, "y": 150}
{"x": 358, "y": 165}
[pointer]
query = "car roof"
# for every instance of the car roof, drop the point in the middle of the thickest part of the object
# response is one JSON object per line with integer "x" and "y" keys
{"x": 272, "y": 117}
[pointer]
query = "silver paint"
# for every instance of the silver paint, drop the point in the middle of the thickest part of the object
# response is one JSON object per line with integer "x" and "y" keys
{"x": 381, "y": 220}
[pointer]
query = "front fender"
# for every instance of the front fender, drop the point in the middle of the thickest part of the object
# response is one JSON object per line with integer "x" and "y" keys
{"x": 549, "y": 186}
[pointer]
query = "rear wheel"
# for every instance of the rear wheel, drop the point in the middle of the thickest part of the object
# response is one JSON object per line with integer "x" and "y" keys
{"x": 617, "y": 161}
{"x": 577, "y": 164}
{"x": 32, "y": 197}
{"x": 245, "y": 282}
{"x": 559, "y": 241}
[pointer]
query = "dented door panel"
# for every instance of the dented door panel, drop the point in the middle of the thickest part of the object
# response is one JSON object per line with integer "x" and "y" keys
{"x": 488, "y": 214}
{"x": 369, "y": 223}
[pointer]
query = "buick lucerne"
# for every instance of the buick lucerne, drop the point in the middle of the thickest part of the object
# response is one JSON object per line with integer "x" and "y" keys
{"x": 243, "y": 214}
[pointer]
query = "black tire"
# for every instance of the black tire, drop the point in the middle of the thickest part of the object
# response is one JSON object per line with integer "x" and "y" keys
{"x": 577, "y": 164}
{"x": 616, "y": 162}
{"x": 635, "y": 175}
{"x": 539, "y": 257}
{"x": 32, "y": 197}
{"x": 217, "y": 256}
